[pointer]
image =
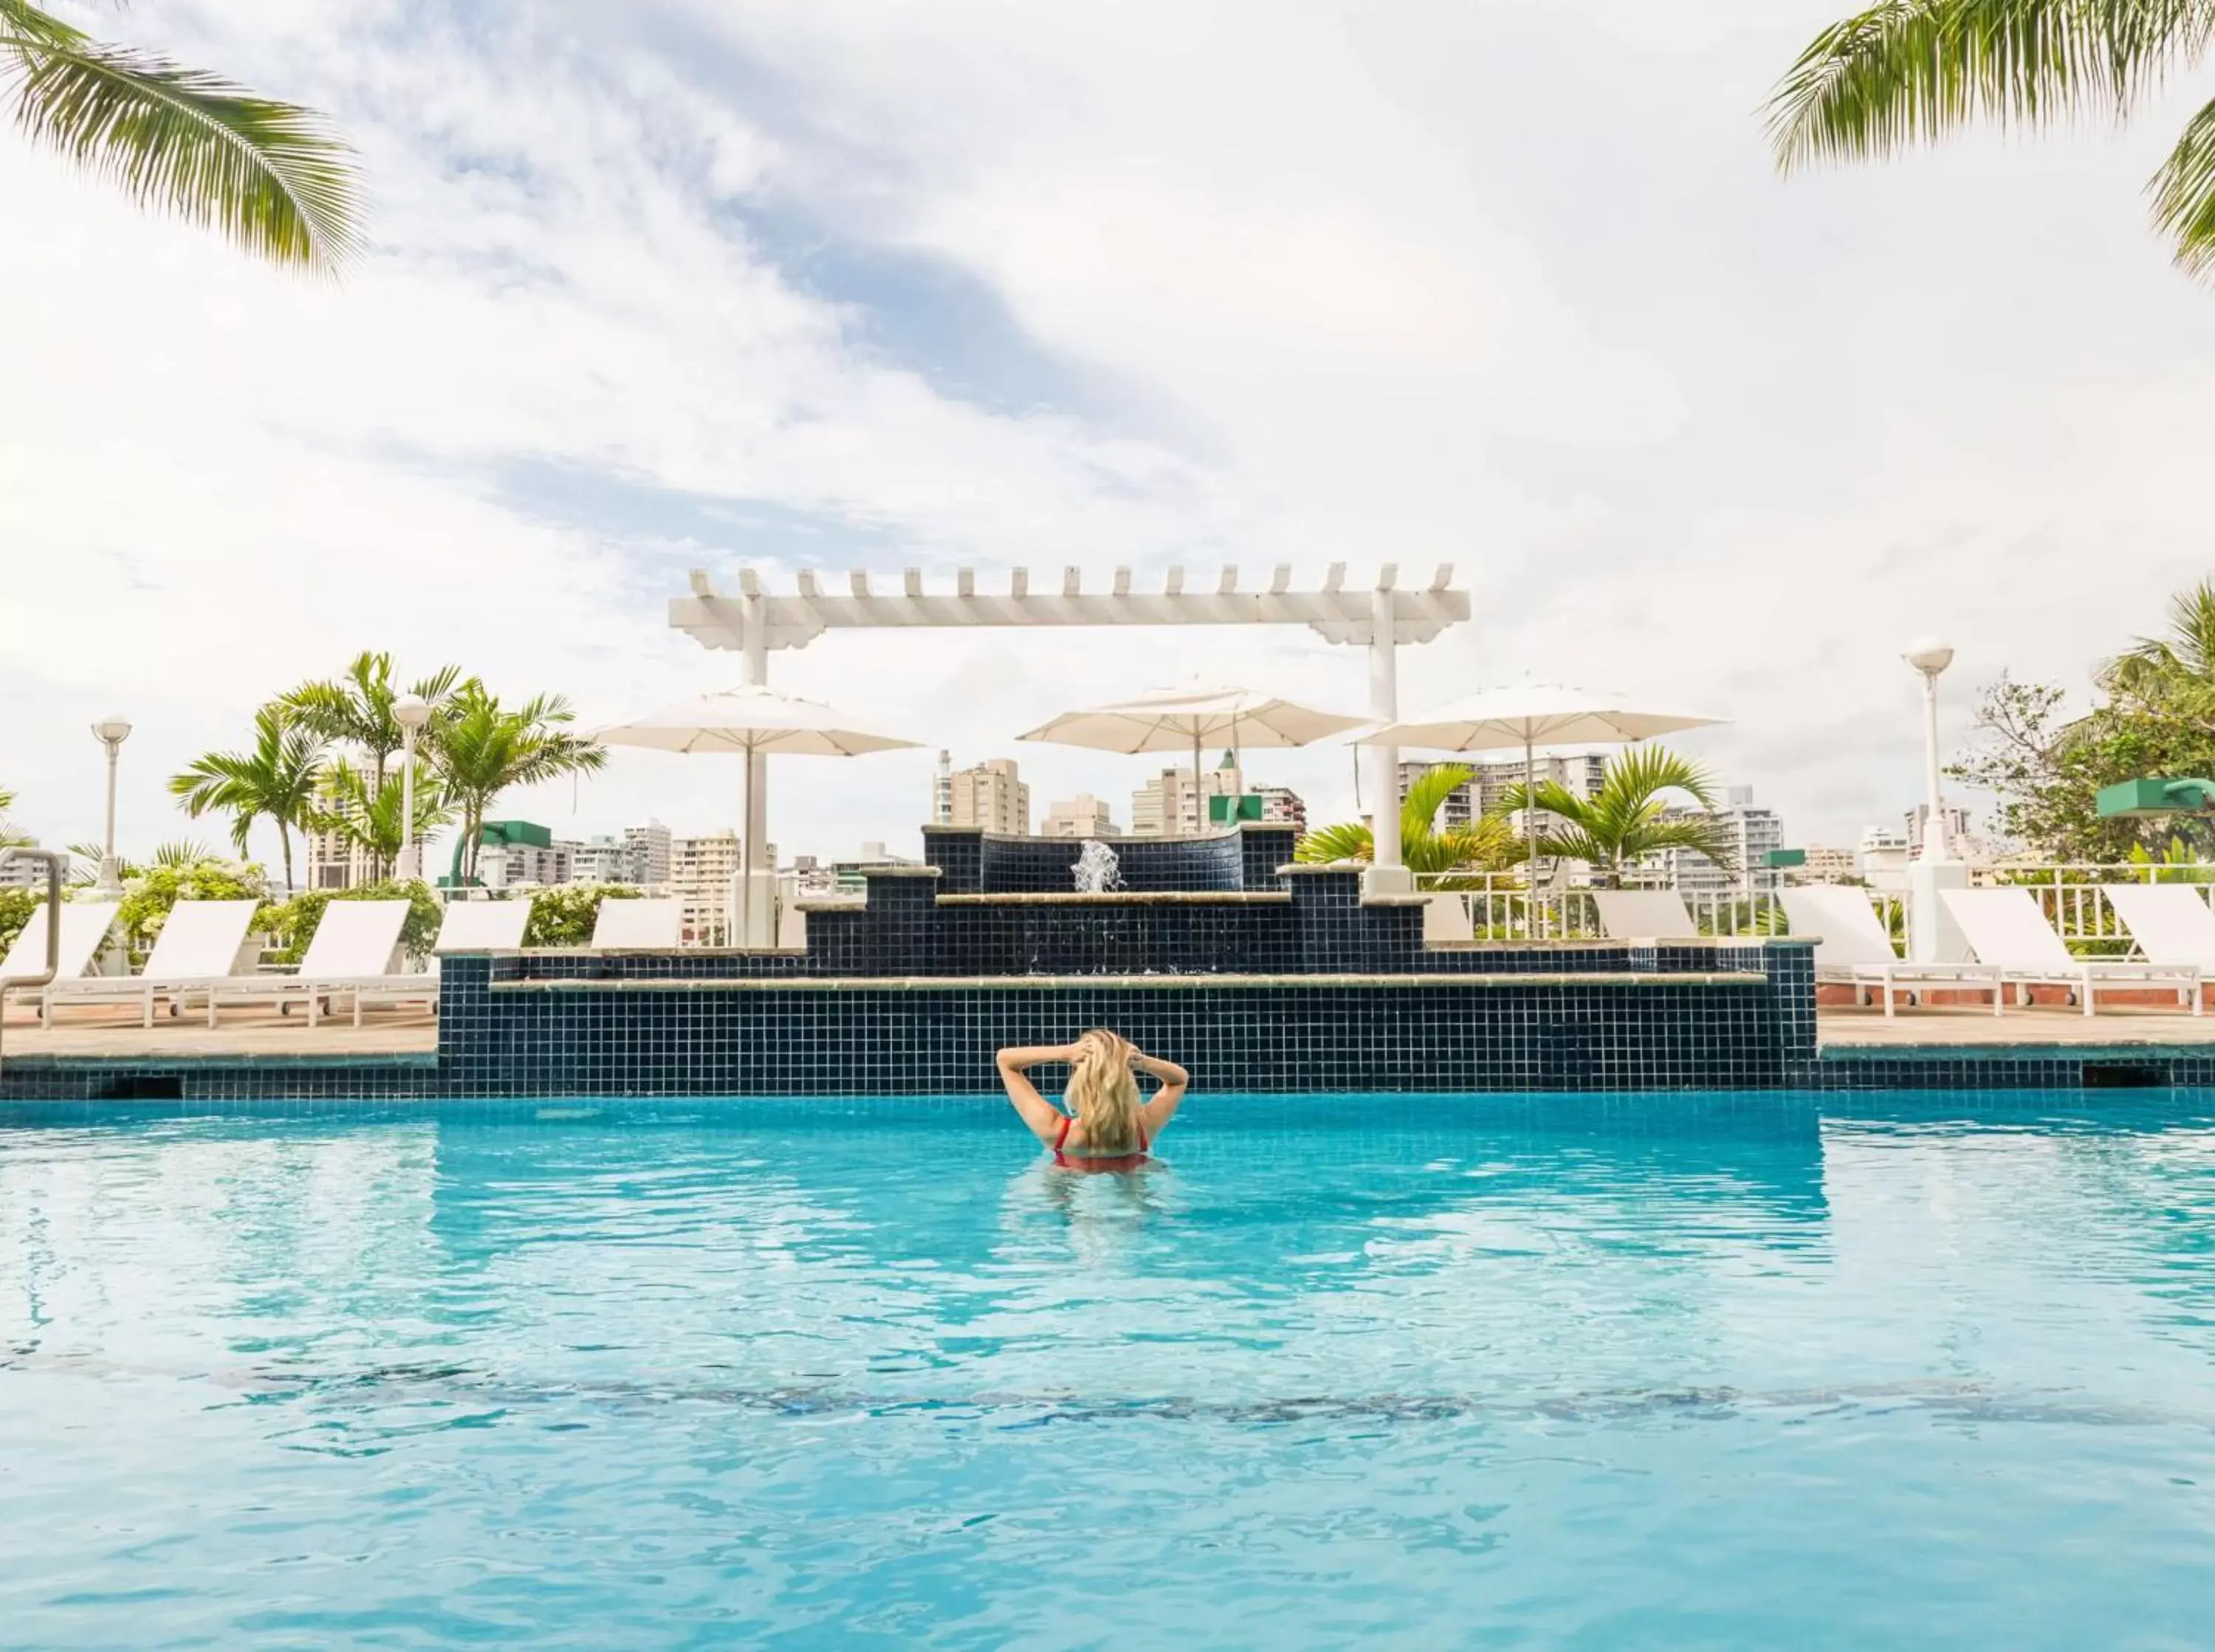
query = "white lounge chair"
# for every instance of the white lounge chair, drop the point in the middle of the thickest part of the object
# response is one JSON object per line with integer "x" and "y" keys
{"x": 482, "y": 927}
{"x": 2172, "y": 925}
{"x": 2004, "y": 928}
{"x": 652, "y": 926}
{"x": 85, "y": 925}
{"x": 350, "y": 956}
{"x": 1643, "y": 915}
{"x": 197, "y": 947}
{"x": 1852, "y": 947}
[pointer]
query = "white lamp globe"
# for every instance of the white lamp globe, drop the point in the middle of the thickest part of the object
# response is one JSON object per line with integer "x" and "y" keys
{"x": 411, "y": 711}
{"x": 113, "y": 729}
{"x": 1929, "y": 655}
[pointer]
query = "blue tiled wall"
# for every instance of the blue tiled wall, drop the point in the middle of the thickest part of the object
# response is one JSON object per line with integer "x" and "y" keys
{"x": 731, "y": 1038}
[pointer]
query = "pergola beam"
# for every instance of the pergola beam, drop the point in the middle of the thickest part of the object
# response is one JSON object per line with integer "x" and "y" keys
{"x": 1336, "y": 614}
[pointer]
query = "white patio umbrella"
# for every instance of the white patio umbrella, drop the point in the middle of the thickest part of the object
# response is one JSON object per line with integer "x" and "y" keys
{"x": 743, "y": 722}
{"x": 1197, "y": 715}
{"x": 1529, "y": 714}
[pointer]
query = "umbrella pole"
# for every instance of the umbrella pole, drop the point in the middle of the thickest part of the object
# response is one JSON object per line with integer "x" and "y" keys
{"x": 1198, "y": 797}
{"x": 1530, "y": 838}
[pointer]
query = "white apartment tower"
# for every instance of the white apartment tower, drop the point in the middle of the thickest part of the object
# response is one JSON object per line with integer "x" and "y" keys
{"x": 990, "y": 796}
{"x": 1082, "y": 816}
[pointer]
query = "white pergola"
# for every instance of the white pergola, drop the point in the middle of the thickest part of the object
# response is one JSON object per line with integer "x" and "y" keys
{"x": 753, "y": 623}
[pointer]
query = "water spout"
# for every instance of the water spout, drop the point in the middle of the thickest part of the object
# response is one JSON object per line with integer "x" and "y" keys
{"x": 1097, "y": 869}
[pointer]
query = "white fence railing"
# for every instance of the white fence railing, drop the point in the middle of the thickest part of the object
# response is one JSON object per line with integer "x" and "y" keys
{"x": 2069, "y": 895}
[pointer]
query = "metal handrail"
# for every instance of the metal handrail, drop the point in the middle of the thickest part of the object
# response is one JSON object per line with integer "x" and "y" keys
{"x": 55, "y": 862}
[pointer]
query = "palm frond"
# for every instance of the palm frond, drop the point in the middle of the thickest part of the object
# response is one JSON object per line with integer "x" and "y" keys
{"x": 1348, "y": 840}
{"x": 2183, "y": 194}
{"x": 1904, "y": 72}
{"x": 271, "y": 176}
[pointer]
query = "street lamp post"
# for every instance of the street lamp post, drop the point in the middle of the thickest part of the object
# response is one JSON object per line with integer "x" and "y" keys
{"x": 111, "y": 731}
{"x": 411, "y": 713}
{"x": 1932, "y": 937}
{"x": 1931, "y": 657}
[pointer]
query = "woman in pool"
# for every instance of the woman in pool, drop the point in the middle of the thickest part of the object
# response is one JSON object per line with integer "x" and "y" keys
{"x": 1107, "y": 1127}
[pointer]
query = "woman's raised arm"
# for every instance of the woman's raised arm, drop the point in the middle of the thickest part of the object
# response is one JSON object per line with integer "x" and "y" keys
{"x": 1044, "y": 1118}
{"x": 1166, "y": 1101}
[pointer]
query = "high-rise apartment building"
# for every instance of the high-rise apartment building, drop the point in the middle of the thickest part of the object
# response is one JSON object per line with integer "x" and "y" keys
{"x": 640, "y": 856}
{"x": 1824, "y": 865}
{"x": 1082, "y": 816}
{"x": 1579, "y": 774}
{"x": 1753, "y": 830}
{"x": 989, "y": 796}
{"x": 332, "y": 860}
{"x": 1281, "y": 806}
{"x": 648, "y": 849}
{"x": 1167, "y": 806}
{"x": 701, "y": 873}
{"x": 941, "y": 791}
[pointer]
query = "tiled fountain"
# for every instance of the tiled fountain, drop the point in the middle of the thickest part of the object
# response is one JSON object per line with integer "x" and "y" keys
{"x": 1257, "y": 974}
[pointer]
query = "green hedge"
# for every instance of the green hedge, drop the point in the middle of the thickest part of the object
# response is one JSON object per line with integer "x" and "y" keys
{"x": 565, "y": 916}
{"x": 16, "y": 906}
{"x": 291, "y": 924}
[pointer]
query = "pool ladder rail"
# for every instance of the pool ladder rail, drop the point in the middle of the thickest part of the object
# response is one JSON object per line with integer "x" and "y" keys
{"x": 55, "y": 860}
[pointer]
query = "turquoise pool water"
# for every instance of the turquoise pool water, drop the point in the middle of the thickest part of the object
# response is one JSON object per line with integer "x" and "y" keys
{"x": 1423, "y": 1372}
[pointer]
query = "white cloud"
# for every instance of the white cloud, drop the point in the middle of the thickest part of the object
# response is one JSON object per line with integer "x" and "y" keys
{"x": 1512, "y": 287}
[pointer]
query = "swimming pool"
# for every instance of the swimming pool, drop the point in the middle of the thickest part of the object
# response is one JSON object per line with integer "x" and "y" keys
{"x": 1764, "y": 1370}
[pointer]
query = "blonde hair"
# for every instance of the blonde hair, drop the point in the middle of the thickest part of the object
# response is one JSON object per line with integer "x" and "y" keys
{"x": 1103, "y": 1092}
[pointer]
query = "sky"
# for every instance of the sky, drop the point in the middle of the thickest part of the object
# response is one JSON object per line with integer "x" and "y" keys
{"x": 830, "y": 285}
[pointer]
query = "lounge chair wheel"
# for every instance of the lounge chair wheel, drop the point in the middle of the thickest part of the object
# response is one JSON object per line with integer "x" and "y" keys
{"x": 174, "y": 1010}
{"x": 2072, "y": 997}
{"x": 284, "y": 1009}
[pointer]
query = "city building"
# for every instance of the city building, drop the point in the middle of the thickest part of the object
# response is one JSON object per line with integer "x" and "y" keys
{"x": 332, "y": 858}
{"x": 990, "y": 796}
{"x": 519, "y": 853}
{"x": 640, "y": 856}
{"x": 1961, "y": 843}
{"x": 1579, "y": 774}
{"x": 1167, "y": 805}
{"x": 1824, "y": 865}
{"x": 702, "y": 871}
{"x": 1882, "y": 856}
{"x": 941, "y": 791}
{"x": 1281, "y": 806}
{"x": 1082, "y": 816}
{"x": 1754, "y": 830}
{"x": 29, "y": 874}
{"x": 648, "y": 846}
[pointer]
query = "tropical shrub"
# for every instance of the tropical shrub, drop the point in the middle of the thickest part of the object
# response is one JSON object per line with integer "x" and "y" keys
{"x": 16, "y": 906}
{"x": 565, "y": 916}
{"x": 291, "y": 924}
{"x": 1425, "y": 847}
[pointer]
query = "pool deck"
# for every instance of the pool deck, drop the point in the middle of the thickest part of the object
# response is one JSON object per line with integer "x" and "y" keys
{"x": 1949, "y": 1030}
{"x": 259, "y": 1034}
{"x": 116, "y": 1036}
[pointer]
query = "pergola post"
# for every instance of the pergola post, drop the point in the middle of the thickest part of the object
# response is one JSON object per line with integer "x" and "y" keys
{"x": 753, "y": 923}
{"x": 1387, "y": 872}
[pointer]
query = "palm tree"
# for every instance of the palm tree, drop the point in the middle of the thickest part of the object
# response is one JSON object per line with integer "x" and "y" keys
{"x": 484, "y": 748}
{"x": 1904, "y": 72}
{"x": 1424, "y": 847}
{"x": 356, "y": 708}
{"x": 346, "y": 806}
{"x": 1626, "y": 817}
{"x": 2176, "y": 671}
{"x": 276, "y": 779}
{"x": 271, "y": 176}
